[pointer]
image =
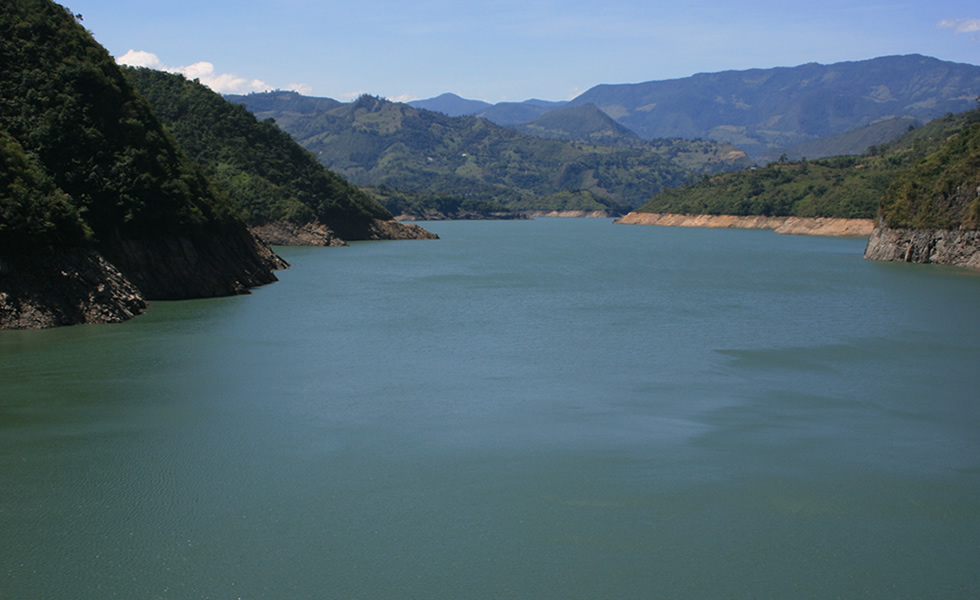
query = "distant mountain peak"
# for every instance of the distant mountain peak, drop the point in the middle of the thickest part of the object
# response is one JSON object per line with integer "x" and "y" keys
{"x": 763, "y": 109}
{"x": 451, "y": 104}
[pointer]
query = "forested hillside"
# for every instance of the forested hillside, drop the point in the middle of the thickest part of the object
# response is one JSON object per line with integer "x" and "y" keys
{"x": 88, "y": 167}
{"x": 843, "y": 186}
{"x": 378, "y": 143}
{"x": 930, "y": 212}
{"x": 269, "y": 175}
{"x": 942, "y": 190}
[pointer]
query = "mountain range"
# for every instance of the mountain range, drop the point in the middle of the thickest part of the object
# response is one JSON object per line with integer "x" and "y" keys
{"x": 377, "y": 143}
{"x": 762, "y": 110}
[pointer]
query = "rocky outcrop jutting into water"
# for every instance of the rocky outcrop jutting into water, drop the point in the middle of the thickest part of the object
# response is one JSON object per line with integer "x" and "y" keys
{"x": 65, "y": 287}
{"x": 956, "y": 247}
{"x": 396, "y": 230}
{"x": 284, "y": 233}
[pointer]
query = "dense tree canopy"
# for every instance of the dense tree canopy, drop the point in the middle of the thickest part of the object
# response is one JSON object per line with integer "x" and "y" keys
{"x": 33, "y": 211}
{"x": 263, "y": 169}
{"x": 848, "y": 186}
{"x": 74, "y": 113}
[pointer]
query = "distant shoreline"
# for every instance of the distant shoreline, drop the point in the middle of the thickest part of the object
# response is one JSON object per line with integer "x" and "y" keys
{"x": 824, "y": 226}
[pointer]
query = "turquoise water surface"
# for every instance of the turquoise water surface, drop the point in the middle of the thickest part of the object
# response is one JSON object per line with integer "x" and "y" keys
{"x": 556, "y": 408}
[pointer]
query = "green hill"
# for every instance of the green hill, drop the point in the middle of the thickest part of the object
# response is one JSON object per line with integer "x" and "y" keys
{"x": 584, "y": 123}
{"x": 942, "y": 190}
{"x": 843, "y": 186}
{"x": 90, "y": 172}
{"x": 373, "y": 142}
{"x": 854, "y": 141}
{"x": 261, "y": 167}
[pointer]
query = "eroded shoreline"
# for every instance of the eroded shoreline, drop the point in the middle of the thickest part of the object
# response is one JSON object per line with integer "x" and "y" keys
{"x": 825, "y": 226}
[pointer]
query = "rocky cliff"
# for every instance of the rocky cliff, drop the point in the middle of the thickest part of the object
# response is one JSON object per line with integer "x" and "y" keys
{"x": 65, "y": 287}
{"x": 286, "y": 233}
{"x": 395, "y": 230}
{"x": 931, "y": 212}
{"x": 954, "y": 247}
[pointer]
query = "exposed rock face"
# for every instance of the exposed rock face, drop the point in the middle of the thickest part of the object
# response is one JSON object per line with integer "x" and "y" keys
{"x": 786, "y": 225}
{"x": 50, "y": 287}
{"x": 65, "y": 287}
{"x": 395, "y": 230}
{"x": 957, "y": 247}
{"x": 178, "y": 268}
{"x": 284, "y": 233}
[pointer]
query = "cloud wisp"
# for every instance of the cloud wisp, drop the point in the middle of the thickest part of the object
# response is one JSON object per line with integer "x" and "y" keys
{"x": 971, "y": 26}
{"x": 203, "y": 71}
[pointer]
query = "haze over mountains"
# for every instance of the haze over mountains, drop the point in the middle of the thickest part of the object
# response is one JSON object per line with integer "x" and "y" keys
{"x": 615, "y": 146}
{"x": 761, "y": 110}
{"x": 377, "y": 143}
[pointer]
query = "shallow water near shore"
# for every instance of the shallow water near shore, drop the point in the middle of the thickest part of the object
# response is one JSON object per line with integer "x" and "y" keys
{"x": 556, "y": 408}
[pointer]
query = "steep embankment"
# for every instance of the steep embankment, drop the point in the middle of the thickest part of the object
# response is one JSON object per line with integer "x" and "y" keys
{"x": 102, "y": 207}
{"x": 931, "y": 212}
{"x": 288, "y": 197}
{"x": 954, "y": 247}
{"x": 788, "y": 225}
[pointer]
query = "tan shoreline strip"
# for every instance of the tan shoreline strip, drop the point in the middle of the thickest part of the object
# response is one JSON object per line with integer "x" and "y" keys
{"x": 787, "y": 225}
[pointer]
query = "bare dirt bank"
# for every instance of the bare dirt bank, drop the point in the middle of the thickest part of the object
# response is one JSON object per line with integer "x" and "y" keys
{"x": 786, "y": 225}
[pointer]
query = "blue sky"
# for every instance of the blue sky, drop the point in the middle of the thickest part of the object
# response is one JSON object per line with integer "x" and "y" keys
{"x": 510, "y": 50}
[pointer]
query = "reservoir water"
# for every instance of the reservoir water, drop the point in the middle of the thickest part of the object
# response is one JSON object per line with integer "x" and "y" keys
{"x": 556, "y": 408}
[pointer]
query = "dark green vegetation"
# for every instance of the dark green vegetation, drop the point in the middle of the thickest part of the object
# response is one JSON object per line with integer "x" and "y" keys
{"x": 431, "y": 156}
{"x": 261, "y": 167}
{"x": 88, "y": 171}
{"x": 74, "y": 113}
{"x": 843, "y": 186}
{"x": 33, "y": 211}
{"x": 942, "y": 190}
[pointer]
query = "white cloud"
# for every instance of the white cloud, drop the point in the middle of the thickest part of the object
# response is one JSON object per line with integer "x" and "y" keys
{"x": 404, "y": 98}
{"x": 139, "y": 58}
{"x": 961, "y": 25}
{"x": 302, "y": 88}
{"x": 223, "y": 83}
